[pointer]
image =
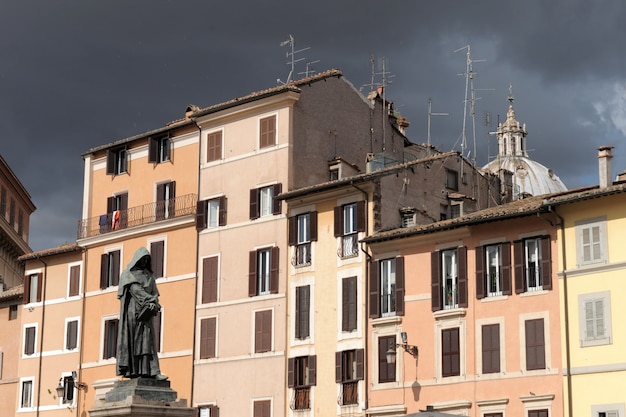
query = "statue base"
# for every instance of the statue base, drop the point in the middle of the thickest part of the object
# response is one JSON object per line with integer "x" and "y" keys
{"x": 141, "y": 397}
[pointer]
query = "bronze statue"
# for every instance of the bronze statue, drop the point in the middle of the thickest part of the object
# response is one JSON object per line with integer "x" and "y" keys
{"x": 139, "y": 303}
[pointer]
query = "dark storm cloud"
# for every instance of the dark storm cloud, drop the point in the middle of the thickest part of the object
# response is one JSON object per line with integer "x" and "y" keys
{"x": 78, "y": 74}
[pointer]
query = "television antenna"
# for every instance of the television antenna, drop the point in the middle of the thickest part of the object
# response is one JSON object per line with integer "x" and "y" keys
{"x": 291, "y": 57}
{"x": 309, "y": 72}
{"x": 430, "y": 113}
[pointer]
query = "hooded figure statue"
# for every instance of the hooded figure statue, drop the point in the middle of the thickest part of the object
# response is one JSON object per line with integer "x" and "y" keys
{"x": 139, "y": 303}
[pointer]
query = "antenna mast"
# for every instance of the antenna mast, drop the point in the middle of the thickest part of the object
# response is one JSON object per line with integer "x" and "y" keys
{"x": 430, "y": 113}
{"x": 291, "y": 57}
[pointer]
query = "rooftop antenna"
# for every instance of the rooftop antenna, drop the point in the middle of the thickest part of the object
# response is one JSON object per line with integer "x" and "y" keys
{"x": 309, "y": 72}
{"x": 430, "y": 113}
{"x": 385, "y": 81}
{"x": 291, "y": 57}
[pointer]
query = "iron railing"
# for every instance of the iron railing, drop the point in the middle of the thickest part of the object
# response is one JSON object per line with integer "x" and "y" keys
{"x": 300, "y": 399}
{"x": 137, "y": 216}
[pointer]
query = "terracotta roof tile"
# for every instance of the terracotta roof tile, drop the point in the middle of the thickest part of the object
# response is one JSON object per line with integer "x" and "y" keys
{"x": 72, "y": 247}
{"x": 12, "y": 293}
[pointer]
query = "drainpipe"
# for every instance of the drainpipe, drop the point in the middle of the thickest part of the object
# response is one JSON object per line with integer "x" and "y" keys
{"x": 82, "y": 328}
{"x": 43, "y": 319}
{"x": 366, "y": 298}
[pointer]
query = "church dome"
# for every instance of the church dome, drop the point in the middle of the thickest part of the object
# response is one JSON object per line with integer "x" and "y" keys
{"x": 529, "y": 177}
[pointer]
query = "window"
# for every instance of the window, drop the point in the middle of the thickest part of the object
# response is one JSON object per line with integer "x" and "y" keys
{"x": 491, "y": 348}
{"x": 493, "y": 270}
{"x": 211, "y": 213}
{"x": 591, "y": 238}
{"x": 594, "y": 322}
{"x": 109, "y": 269}
{"x": 13, "y": 312}
{"x": 450, "y": 352}
{"x": 159, "y": 149}
{"x": 71, "y": 334}
{"x": 209, "y": 279}
{"x": 68, "y": 390}
{"x": 533, "y": 269}
{"x": 348, "y": 304}
{"x": 349, "y": 370}
{"x": 301, "y": 375}
{"x": 612, "y": 413}
{"x": 456, "y": 210}
{"x": 117, "y": 161}
{"x": 263, "y": 203}
{"x": 32, "y": 288}
{"x": 452, "y": 179}
{"x": 535, "y": 344}
{"x": 30, "y": 339}
{"x": 449, "y": 279}
{"x": 349, "y": 221}
{"x": 302, "y": 231}
{"x": 117, "y": 213}
{"x": 165, "y": 200}
{"x": 214, "y": 146}
{"x": 157, "y": 258}
{"x": 208, "y": 411}
{"x": 263, "y": 272}
{"x": 262, "y": 408}
{"x": 26, "y": 395}
{"x": 267, "y": 129}
{"x": 208, "y": 337}
{"x": 303, "y": 304}
{"x": 387, "y": 287}
{"x": 538, "y": 413}
{"x": 386, "y": 371}
{"x": 263, "y": 331}
{"x": 74, "y": 281}
{"x": 109, "y": 345}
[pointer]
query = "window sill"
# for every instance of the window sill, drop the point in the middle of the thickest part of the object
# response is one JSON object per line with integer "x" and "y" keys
{"x": 491, "y": 298}
{"x": 449, "y": 314}
{"x": 595, "y": 342}
{"x": 533, "y": 293}
{"x": 383, "y": 321}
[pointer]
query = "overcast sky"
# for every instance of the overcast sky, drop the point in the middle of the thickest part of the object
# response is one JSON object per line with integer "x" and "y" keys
{"x": 75, "y": 74}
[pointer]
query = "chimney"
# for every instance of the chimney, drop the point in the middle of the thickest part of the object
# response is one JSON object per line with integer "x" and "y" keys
{"x": 604, "y": 165}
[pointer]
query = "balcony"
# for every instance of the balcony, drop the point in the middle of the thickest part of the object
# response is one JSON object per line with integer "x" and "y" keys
{"x": 137, "y": 216}
{"x": 349, "y": 393}
{"x": 300, "y": 399}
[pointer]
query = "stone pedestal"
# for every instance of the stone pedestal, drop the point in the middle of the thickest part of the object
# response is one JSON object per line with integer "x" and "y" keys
{"x": 141, "y": 397}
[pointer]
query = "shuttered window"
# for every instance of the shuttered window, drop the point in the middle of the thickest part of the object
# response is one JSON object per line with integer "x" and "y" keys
{"x": 449, "y": 279}
{"x": 214, "y": 146}
{"x": 491, "y": 348}
{"x": 348, "y": 304}
{"x": 532, "y": 264}
{"x": 32, "y": 288}
{"x": 538, "y": 413}
{"x": 211, "y": 213}
{"x": 262, "y": 408}
{"x": 263, "y": 201}
{"x": 302, "y": 371}
{"x": 263, "y": 268}
{"x": 29, "y": 340}
{"x": 263, "y": 331}
{"x": 208, "y": 337}
{"x": 267, "y": 128}
{"x": 165, "y": 200}
{"x": 386, "y": 287}
{"x": 303, "y": 303}
{"x": 157, "y": 258}
{"x": 535, "y": 344}
{"x": 450, "y": 352}
{"x": 386, "y": 371}
{"x": 71, "y": 335}
{"x": 109, "y": 344}
{"x": 109, "y": 269}
{"x": 209, "y": 279}
{"x": 74, "y": 284}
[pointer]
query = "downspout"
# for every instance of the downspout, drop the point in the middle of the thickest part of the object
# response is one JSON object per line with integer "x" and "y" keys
{"x": 82, "y": 327}
{"x": 43, "y": 319}
{"x": 195, "y": 296}
{"x": 366, "y": 298}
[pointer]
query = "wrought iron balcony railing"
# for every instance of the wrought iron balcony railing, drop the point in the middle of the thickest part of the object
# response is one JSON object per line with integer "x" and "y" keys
{"x": 137, "y": 216}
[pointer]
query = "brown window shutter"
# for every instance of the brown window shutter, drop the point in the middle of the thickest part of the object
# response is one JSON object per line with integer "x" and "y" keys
{"x": 481, "y": 285}
{"x": 338, "y": 224}
{"x": 207, "y": 338}
{"x": 104, "y": 270}
{"x": 153, "y": 148}
{"x": 312, "y": 365}
{"x": 222, "y": 211}
{"x": 111, "y": 204}
{"x": 461, "y": 254}
{"x": 71, "y": 336}
{"x": 435, "y": 281}
{"x": 214, "y": 411}
{"x": 74, "y": 280}
{"x": 111, "y": 157}
{"x": 546, "y": 263}
{"x": 201, "y": 214}
{"x": 374, "y": 289}
{"x": 338, "y": 367}
{"x": 313, "y": 225}
{"x": 293, "y": 230}
{"x": 274, "y": 269}
{"x": 254, "y": 204}
{"x": 290, "y": 372}
{"x": 360, "y": 364}
{"x": 535, "y": 345}
{"x": 518, "y": 259}
{"x": 360, "y": 216}
{"x": 39, "y": 286}
{"x": 209, "y": 279}
{"x": 29, "y": 345}
{"x": 123, "y": 201}
{"x": 348, "y": 304}
{"x": 115, "y": 279}
{"x": 505, "y": 250}
{"x": 26, "y": 295}
{"x": 157, "y": 254}
{"x": 276, "y": 203}
{"x": 450, "y": 354}
{"x": 252, "y": 290}
{"x": 399, "y": 295}
{"x": 491, "y": 348}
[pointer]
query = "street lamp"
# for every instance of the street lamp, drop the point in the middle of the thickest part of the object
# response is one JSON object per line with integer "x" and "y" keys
{"x": 410, "y": 349}
{"x": 60, "y": 389}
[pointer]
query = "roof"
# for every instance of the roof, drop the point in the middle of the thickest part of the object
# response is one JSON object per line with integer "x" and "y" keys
{"x": 16, "y": 292}
{"x": 198, "y": 112}
{"x": 68, "y": 248}
{"x": 359, "y": 178}
{"x": 518, "y": 208}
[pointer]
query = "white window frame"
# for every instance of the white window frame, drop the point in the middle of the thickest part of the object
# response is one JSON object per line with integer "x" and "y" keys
{"x": 32, "y": 293}
{"x": 30, "y": 406}
{"x": 545, "y": 315}
{"x": 206, "y": 162}
{"x": 204, "y": 410}
{"x": 148, "y": 243}
{"x": 80, "y": 281}
{"x": 529, "y": 258}
{"x": 450, "y": 268}
{"x": 263, "y": 270}
{"x": 35, "y": 351}
{"x": 270, "y": 399}
{"x": 610, "y": 410}
{"x": 213, "y": 213}
{"x": 479, "y": 348}
{"x": 258, "y": 134}
{"x": 103, "y": 321}
{"x": 387, "y": 287}
{"x": 496, "y": 251}
{"x": 253, "y": 333}
{"x": 589, "y": 225}
{"x": 67, "y": 321}
{"x": 444, "y": 324}
{"x": 266, "y": 198}
{"x": 583, "y": 299}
